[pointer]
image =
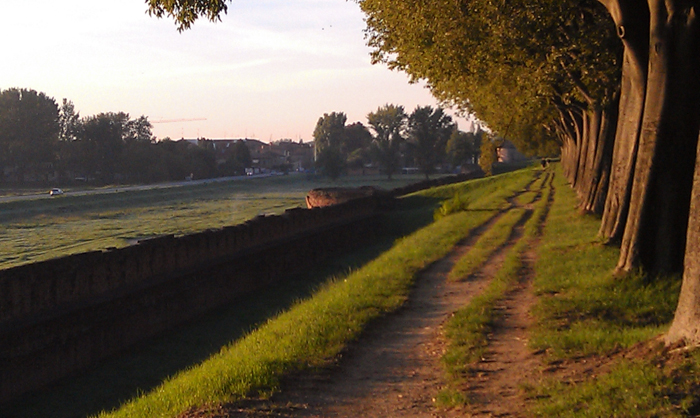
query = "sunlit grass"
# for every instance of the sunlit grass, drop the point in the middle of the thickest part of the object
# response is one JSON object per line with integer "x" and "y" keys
{"x": 315, "y": 330}
{"x": 486, "y": 245}
{"x": 527, "y": 198}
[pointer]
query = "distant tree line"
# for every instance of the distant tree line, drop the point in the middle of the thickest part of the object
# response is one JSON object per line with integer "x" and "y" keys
{"x": 43, "y": 142}
{"x": 426, "y": 139}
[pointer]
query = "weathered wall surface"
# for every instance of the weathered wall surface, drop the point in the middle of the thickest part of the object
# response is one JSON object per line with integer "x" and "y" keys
{"x": 63, "y": 315}
{"x": 60, "y": 316}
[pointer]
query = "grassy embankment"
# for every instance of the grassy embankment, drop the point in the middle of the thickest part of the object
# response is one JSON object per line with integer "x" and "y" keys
{"x": 314, "y": 330}
{"x": 584, "y": 312}
{"x": 42, "y": 229}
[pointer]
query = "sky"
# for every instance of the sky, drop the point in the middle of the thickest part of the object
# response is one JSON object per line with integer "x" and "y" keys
{"x": 268, "y": 70}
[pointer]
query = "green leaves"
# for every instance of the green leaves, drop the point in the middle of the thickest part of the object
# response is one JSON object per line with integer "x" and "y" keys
{"x": 329, "y": 138}
{"x": 29, "y": 132}
{"x": 186, "y": 12}
{"x": 429, "y": 130}
{"x": 389, "y": 125}
{"x": 503, "y": 61}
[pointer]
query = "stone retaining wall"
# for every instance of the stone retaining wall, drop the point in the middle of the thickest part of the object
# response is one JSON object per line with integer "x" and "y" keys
{"x": 61, "y": 316}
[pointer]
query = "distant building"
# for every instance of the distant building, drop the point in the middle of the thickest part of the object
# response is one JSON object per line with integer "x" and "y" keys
{"x": 507, "y": 153}
{"x": 298, "y": 155}
{"x": 282, "y": 155}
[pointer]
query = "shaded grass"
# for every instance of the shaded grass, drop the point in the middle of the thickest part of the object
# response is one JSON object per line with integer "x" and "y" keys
{"x": 42, "y": 229}
{"x": 313, "y": 331}
{"x": 633, "y": 388}
{"x": 585, "y": 310}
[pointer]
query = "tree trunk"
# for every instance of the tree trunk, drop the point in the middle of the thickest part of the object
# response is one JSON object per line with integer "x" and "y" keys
{"x": 686, "y": 322}
{"x": 655, "y": 232}
{"x": 585, "y": 148}
{"x": 602, "y": 160}
{"x": 566, "y": 132}
{"x": 567, "y": 157}
{"x": 577, "y": 127}
{"x": 632, "y": 20}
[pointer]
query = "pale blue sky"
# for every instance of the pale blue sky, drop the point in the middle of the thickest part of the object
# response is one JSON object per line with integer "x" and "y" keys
{"x": 269, "y": 70}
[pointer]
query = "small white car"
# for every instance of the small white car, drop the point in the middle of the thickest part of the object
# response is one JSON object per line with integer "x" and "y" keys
{"x": 56, "y": 192}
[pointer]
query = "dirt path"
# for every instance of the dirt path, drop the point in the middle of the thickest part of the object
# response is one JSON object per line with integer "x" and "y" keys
{"x": 495, "y": 389}
{"x": 394, "y": 369}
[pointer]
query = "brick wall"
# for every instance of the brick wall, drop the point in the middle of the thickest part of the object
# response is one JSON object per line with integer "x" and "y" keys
{"x": 60, "y": 316}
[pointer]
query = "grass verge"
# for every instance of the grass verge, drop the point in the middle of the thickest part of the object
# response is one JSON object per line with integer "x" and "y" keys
{"x": 583, "y": 308}
{"x": 585, "y": 312}
{"x": 315, "y": 330}
{"x": 632, "y": 389}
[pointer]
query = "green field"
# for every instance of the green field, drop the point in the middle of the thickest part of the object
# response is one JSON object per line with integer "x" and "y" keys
{"x": 42, "y": 229}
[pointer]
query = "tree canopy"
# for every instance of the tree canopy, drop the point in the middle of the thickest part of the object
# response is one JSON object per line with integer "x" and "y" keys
{"x": 29, "y": 131}
{"x": 428, "y": 131}
{"x": 510, "y": 63}
{"x": 389, "y": 125}
{"x": 186, "y": 12}
{"x": 329, "y": 139}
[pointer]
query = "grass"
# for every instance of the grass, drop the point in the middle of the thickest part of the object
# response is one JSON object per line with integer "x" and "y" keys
{"x": 633, "y": 388}
{"x": 585, "y": 311}
{"x": 42, "y": 229}
{"x": 314, "y": 330}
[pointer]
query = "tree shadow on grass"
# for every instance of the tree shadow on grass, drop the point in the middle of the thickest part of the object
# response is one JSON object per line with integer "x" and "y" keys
{"x": 145, "y": 366}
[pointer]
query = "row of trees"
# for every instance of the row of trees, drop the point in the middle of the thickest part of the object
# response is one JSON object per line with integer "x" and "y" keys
{"x": 426, "y": 139}
{"x": 41, "y": 141}
{"x": 615, "y": 84}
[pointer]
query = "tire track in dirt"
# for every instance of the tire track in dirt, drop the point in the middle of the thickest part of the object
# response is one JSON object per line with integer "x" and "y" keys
{"x": 495, "y": 389}
{"x": 394, "y": 368}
